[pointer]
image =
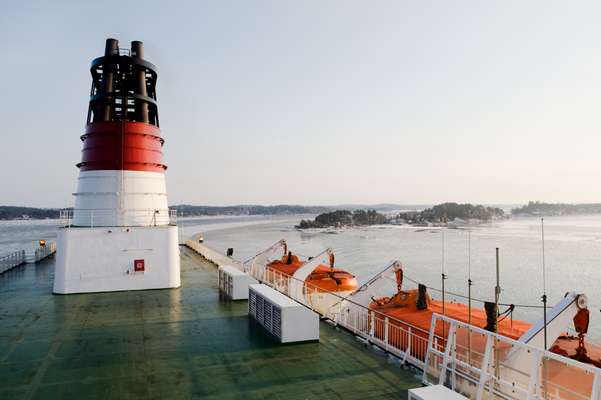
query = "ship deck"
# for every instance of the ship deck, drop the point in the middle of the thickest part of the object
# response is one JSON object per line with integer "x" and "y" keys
{"x": 180, "y": 343}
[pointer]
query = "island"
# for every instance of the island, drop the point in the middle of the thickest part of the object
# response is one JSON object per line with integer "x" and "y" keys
{"x": 448, "y": 213}
{"x": 344, "y": 218}
{"x": 537, "y": 208}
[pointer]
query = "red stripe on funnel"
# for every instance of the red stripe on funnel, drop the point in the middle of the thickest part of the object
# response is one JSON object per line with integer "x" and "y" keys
{"x": 133, "y": 146}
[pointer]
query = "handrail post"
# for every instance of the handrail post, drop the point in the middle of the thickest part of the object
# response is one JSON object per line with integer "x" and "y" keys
{"x": 386, "y": 333}
{"x": 429, "y": 346}
{"x": 596, "y": 386}
{"x": 484, "y": 368}
{"x": 533, "y": 386}
{"x": 448, "y": 356}
{"x": 408, "y": 348}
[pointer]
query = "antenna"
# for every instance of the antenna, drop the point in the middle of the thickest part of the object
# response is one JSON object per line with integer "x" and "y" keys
{"x": 497, "y": 295}
{"x": 469, "y": 276}
{"x": 443, "y": 276}
{"x": 469, "y": 292}
{"x": 544, "y": 298}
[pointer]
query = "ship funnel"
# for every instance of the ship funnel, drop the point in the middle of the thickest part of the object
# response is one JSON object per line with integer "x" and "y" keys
{"x": 112, "y": 47}
{"x": 122, "y": 235}
{"x": 122, "y": 134}
{"x": 137, "y": 49}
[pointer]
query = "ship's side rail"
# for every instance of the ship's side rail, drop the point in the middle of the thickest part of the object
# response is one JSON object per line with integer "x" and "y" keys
{"x": 43, "y": 251}
{"x": 470, "y": 360}
{"x": 408, "y": 343}
{"x": 211, "y": 254}
{"x": 19, "y": 257}
{"x": 117, "y": 217}
{"x": 12, "y": 260}
{"x": 481, "y": 365}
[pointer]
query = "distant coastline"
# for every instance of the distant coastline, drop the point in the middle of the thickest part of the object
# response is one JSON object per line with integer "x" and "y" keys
{"x": 8, "y": 213}
{"x": 537, "y": 208}
{"x": 441, "y": 214}
{"x": 445, "y": 215}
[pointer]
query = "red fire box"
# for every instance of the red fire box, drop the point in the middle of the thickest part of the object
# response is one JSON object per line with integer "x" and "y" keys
{"x": 138, "y": 265}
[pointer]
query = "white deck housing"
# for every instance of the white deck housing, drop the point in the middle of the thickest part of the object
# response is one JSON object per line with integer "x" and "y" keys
{"x": 234, "y": 283}
{"x": 104, "y": 259}
{"x": 283, "y": 317}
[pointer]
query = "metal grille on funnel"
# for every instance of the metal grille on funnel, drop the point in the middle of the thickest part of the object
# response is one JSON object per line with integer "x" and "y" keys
{"x": 121, "y": 180}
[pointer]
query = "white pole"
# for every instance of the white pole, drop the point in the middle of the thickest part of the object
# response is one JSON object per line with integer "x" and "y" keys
{"x": 443, "y": 276}
{"x": 183, "y": 233}
{"x": 469, "y": 276}
{"x": 544, "y": 298}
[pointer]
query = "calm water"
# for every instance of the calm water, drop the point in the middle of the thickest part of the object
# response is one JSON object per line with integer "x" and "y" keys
{"x": 573, "y": 256}
{"x": 573, "y": 252}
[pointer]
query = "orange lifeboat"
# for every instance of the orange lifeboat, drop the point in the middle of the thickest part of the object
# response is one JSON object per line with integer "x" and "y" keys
{"x": 414, "y": 308}
{"x": 324, "y": 278}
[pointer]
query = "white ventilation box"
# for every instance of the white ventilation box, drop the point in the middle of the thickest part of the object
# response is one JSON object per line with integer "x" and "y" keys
{"x": 436, "y": 392}
{"x": 234, "y": 283}
{"x": 281, "y": 316}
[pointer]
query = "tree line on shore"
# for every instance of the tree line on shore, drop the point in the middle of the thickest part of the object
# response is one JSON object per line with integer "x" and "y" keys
{"x": 340, "y": 218}
{"x": 540, "y": 208}
{"x": 344, "y": 215}
{"x": 445, "y": 212}
{"x": 439, "y": 214}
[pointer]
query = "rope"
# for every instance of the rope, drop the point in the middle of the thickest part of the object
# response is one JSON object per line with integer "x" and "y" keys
{"x": 506, "y": 313}
{"x": 473, "y": 298}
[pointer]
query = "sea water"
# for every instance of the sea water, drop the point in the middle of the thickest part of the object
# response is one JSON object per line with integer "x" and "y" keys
{"x": 572, "y": 256}
{"x": 572, "y": 253}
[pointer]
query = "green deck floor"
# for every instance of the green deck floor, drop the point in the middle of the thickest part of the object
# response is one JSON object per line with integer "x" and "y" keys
{"x": 182, "y": 343}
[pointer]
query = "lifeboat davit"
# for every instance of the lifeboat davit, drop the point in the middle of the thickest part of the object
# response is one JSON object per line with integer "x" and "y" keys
{"x": 413, "y": 309}
{"x": 324, "y": 278}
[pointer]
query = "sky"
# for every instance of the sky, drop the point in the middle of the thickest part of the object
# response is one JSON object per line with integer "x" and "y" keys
{"x": 319, "y": 102}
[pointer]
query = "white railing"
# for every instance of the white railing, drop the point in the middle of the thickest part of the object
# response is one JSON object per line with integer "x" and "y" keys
{"x": 407, "y": 342}
{"x": 483, "y": 365}
{"x": 19, "y": 257}
{"x": 470, "y": 360}
{"x": 44, "y": 251}
{"x": 211, "y": 254}
{"x": 172, "y": 217}
{"x": 117, "y": 217}
{"x": 11, "y": 260}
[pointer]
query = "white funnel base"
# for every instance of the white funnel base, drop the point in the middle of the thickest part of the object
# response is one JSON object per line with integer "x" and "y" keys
{"x": 102, "y": 259}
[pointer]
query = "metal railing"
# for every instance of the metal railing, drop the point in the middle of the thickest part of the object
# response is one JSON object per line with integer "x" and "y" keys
{"x": 117, "y": 217}
{"x": 482, "y": 365}
{"x": 44, "y": 251}
{"x": 11, "y": 260}
{"x": 409, "y": 343}
{"x": 212, "y": 255}
{"x": 16, "y": 258}
{"x": 470, "y": 360}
